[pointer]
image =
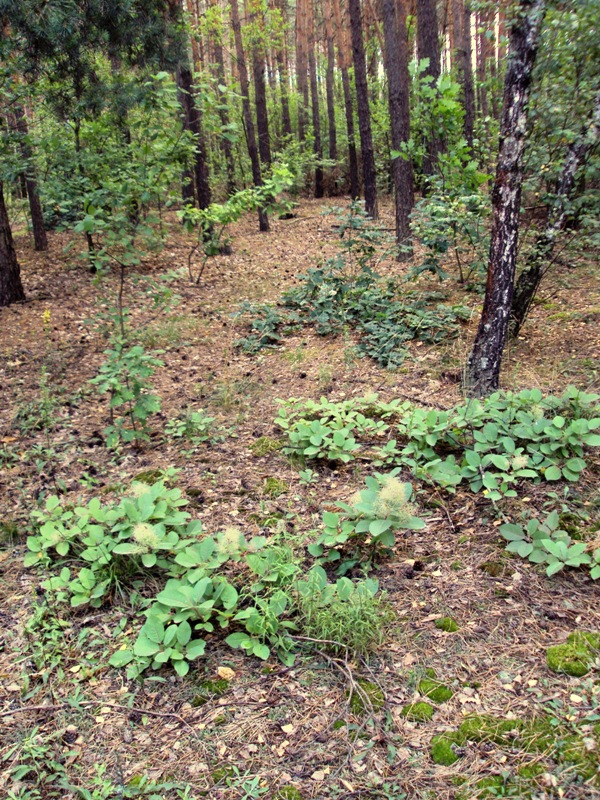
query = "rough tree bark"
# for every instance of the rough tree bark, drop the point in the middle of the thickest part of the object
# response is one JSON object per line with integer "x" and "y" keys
{"x": 364, "y": 114}
{"x": 428, "y": 46}
{"x": 344, "y": 63}
{"x": 396, "y": 63}
{"x": 35, "y": 207}
{"x": 11, "y": 288}
{"x": 483, "y": 367}
{"x": 540, "y": 258}
{"x": 302, "y": 67}
{"x": 263, "y": 220}
{"x": 192, "y": 121}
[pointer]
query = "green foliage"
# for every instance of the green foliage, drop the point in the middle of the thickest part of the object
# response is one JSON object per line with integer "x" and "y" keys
{"x": 124, "y": 376}
{"x": 452, "y": 226}
{"x": 345, "y": 616}
{"x": 492, "y": 444}
{"x": 195, "y": 426}
{"x": 347, "y": 292}
{"x": 96, "y": 552}
{"x": 210, "y": 224}
{"x": 546, "y": 543}
{"x": 366, "y": 526}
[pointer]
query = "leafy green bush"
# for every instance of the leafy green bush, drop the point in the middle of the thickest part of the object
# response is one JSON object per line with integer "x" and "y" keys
{"x": 492, "y": 444}
{"x": 97, "y": 552}
{"x": 124, "y": 377}
{"x": 545, "y": 543}
{"x": 367, "y": 524}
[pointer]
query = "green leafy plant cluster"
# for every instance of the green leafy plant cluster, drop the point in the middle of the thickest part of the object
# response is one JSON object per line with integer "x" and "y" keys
{"x": 492, "y": 444}
{"x": 345, "y": 293}
{"x": 99, "y": 553}
{"x": 124, "y": 376}
{"x": 367, "y": 524}
{"x": 210, "y": 225}
{"x": 195, "y": 426}
{"x": 546, "y": 543}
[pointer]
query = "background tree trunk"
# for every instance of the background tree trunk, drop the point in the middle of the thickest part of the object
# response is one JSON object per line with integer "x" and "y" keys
{"x": 192, "y": 121}
{"x": 344, "y": 63}
{"x": 428, "y": 46}
{"x": 11, "y": 288}
{"x": 396, "y": 60}
{"x": 224, "y": 142}
{"x": 263, "y": 220}
{"x": 483, "y": 368}
{"x": 260, "y": 90}
{"x": 461, "y": 23}
{"x": 330, "y": 81}
{"x": 314, "y": 98}
{"x": 35, "y": 207}
{"x": 364, "y": 114}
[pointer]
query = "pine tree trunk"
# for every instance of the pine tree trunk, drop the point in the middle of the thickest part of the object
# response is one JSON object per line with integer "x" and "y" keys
{"x": 461, "y": 20}
{"x": 192, "y": 121}
{"x": 301, "y": 67}
{"x": 280, "y": 55}
{"x": 35, "y": 207}
{"x": 396, "y": 61}
{"x": 260, "y": 96}
{"x": 540, "y": 258}
{"x": 314, "y": 97}
{"x": 344, "y": 62}
{"x": 483, "y": 368}
{"x": 11, "y": 288}
{"x": 364, "y": 114}
{"x": 263, "y": 220}
{"x": 428, "y": 46}
{"x": 224, "y": 142}
{"x": 330, "y": 82}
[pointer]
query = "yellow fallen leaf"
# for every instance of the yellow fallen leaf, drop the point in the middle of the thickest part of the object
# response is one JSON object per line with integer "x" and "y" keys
{"x": 226, "y": 673}
{"x": 288, "y": 728}
{"x": 318, "y": 775}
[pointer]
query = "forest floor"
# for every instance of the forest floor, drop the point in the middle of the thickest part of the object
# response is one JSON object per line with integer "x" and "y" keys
{"x": 236, "y": 727}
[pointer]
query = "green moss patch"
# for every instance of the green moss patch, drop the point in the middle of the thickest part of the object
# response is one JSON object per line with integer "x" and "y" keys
{"x": 446, "y": 624}
{"x": 208, "y": 690}
{"x": 576, "y": 656}
{"x": 538, "y": 735}
{"x": 274, "y": 487}
{"x": 443, "y": 750}
{"x": 370, "y": 694}
{"x": 149, "y": 476}
{"x": 288, "y": 793}
{"x": 418, "y": 712}
{"x": 265, "y": 445}
{"x": 435, "y": 690}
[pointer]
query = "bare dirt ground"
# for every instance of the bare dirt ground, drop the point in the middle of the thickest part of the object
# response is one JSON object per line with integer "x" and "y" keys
{"x": 274, "y": 729}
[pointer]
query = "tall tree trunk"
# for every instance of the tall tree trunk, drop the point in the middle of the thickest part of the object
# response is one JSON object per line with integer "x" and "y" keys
{"x": 224, "y": 142}
{"x": 396, "y": 60}
{"x": 302, "y": 67}
{"x": 282, "y": 68}
{"x": 314, "y": 97}
{"x": 11, "y": 288}
{"x": 540, "y": 258}
{"x": 263, "y": 220}
{"x": 428, "y": 46}
{"x": 344, "y": 63}
{"x": 260, "y": 87}
{"x": 35, "y": 207}
{"x": 364, "y": 115}
{"x": 483, "y": 52}
{"x": 192, "y": 121}
{"x": 330, "y": 81}
{"x": 483, "y": 367}
{"x": 461, "y": 12}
